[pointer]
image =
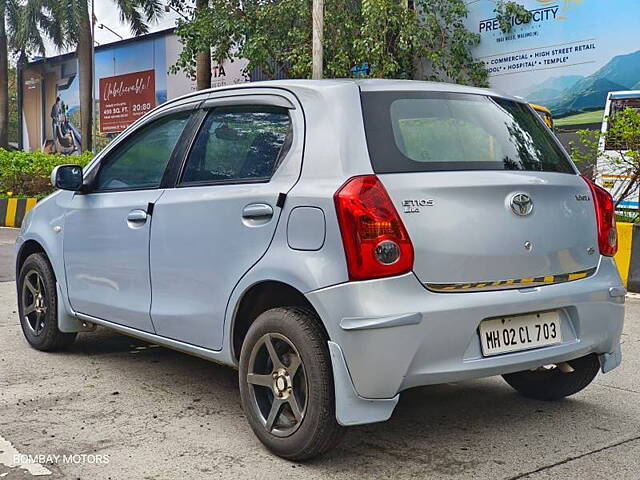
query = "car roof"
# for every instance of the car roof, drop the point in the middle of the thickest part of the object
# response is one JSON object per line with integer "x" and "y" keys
{"x": 365, "y": 85}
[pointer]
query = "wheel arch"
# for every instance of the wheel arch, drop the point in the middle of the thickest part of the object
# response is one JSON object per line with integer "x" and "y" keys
{"x": 259, "y": 298}
{"x": 29, "y": 247}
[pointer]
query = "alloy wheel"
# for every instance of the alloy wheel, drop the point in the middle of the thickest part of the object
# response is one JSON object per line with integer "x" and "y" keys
{"x": 34, "y": 302}
{"x": 277, "y": 384}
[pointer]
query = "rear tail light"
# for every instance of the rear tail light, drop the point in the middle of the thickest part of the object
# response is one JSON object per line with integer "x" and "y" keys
{"x": 606, "y": 218}
{"x": 375, "y": 240}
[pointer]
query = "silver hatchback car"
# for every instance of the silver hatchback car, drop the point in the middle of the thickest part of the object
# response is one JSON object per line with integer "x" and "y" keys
{"x": 338, "y": 242}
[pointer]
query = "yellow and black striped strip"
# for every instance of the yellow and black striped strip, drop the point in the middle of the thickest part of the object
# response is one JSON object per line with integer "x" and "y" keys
{"x": 508, "y": 284}
{"x": 13, "y": 210}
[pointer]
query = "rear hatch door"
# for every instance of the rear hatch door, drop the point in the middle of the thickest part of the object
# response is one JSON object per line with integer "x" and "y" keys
{"x": 474, "y": 227}
{"x": 485, "y": 190}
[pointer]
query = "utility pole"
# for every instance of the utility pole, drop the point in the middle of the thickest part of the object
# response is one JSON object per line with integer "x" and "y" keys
{"x": 94, "y": 126}
{"x": 318, "y": 28}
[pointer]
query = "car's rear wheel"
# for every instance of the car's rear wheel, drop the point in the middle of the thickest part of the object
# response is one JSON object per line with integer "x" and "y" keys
{"x": 286, "y": 384}
{"x": 553, "y": 382}
{"x": 38, "y": 305}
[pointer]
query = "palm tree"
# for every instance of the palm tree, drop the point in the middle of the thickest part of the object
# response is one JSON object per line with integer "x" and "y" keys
{"x": 20, "y": 34}
{"x": 4, "y": 78}
{"x": 10, "y": 15}
{"x": 69, "y": 26}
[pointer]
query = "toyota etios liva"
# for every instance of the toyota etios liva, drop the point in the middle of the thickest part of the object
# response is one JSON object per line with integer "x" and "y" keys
{"x": 337, "y": 241}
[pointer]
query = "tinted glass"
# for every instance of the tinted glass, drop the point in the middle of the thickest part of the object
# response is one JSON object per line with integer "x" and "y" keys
{"x": 140, "y": 161}
{"x": 425, "y": 131}
{"x": 238, "y": 143}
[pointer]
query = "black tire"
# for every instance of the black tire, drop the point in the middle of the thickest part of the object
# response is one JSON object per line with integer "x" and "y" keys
{"x": 40, "y": 327}
{"x": 294, "y": 333}
{"x": 553, "y": 384}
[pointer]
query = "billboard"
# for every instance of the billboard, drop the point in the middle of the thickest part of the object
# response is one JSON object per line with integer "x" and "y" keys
{"x": 571, "y": 54}
{"x": 131, "y": 77}
{"x": 125, "y": 98}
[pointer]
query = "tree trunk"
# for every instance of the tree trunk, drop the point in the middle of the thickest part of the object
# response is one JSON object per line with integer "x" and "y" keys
{"x": 203, "y": 70}
{"x": 4, "y": 84}
{"x": 85, "y": 67}
{"x": 203, "y": 60}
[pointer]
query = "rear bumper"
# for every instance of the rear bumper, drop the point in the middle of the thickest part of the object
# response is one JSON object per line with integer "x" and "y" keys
{"x": 395, "y": 334}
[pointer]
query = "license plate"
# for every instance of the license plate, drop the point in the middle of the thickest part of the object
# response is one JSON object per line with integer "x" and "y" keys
{"x": 520, "y": 332}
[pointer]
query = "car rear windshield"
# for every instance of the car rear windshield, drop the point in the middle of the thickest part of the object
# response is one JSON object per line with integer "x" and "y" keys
{"x": 430, "y": 131}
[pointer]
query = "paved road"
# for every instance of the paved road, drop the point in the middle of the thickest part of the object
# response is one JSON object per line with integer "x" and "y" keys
{"x": 7, "y": 240}
{"x": 159, "y": 414}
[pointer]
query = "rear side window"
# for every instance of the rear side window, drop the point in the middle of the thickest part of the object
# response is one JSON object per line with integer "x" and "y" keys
{"x": 430, "y": 131}
{"x": 238, "y": 144}
{"x": 139, "y": 161}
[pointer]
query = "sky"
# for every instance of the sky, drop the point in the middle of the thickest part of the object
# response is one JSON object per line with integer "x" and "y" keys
{"x": 107, "y": 14}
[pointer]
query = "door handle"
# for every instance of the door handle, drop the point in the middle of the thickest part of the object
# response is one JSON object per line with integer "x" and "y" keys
{"x": 137, "y": 216}
{"x": 257, "y": 210}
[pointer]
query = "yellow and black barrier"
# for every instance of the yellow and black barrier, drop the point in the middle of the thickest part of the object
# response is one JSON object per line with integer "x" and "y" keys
{"x": 628, "y": 256}
{"x": 13, "y": 210}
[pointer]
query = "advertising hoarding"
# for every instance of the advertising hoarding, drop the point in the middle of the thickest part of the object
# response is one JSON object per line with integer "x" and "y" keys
{"x": 125, "y": 98}
{"x": 568, "y": 58}
{"x": 51, "y": 94}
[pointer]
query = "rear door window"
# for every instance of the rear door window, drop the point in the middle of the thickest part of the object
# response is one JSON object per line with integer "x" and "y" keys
{"x": 429, "y": 131}
{"x": 238, "y": 144}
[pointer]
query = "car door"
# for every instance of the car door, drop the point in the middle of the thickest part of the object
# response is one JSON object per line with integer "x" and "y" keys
{"x": 106, "y": 239}
{"x": 220, "y": 219}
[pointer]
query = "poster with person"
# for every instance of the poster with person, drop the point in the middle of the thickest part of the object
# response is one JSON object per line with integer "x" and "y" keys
{"x": 65, "y": 137}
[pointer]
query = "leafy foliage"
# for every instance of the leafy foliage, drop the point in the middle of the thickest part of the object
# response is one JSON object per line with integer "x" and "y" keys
{"x": 13, "y": 106}
{"x": 385, "y": 37}
{"x": 622, "y": 156}
{"x": 26, "y": 19}
{"x": 585, "y": 150}
{"x": 61, "y": 20}
{"x": 27, "y": 174}
{"x": 507, "y": 12}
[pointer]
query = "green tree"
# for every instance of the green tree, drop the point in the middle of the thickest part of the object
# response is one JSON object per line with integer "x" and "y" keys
{"x": 621, "y": 152}
{"x": 69, "y": 26}
{"x": 19, "y": 36}
{"x": 203, "y": 51}
{"x": 12, "y": 128}
{"x": 386, "y": 36}
{"x": 4, "y": 76}
{"x": 10, "y": 21}
{"x": 508, "y": 12}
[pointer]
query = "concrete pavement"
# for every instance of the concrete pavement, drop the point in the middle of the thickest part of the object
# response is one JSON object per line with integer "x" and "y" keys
{"x": 7, "y": 255}
{"x": 154, "y": 413}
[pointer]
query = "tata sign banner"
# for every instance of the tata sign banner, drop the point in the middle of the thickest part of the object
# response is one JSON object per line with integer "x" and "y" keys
{"x": 125, "y": 98}
{"x": 567, "y": 58}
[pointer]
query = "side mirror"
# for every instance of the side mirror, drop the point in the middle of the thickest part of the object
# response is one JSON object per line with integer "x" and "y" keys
{"x": 67, "y": 177}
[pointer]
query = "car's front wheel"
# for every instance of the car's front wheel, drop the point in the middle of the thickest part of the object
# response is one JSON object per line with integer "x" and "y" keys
{"x": 553, "y": 382}
{"x": 286, "y": 384}
{"x": 38, "y": 305}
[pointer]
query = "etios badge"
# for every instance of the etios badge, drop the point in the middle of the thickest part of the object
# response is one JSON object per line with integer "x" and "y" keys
{"x": 521, "y": 204}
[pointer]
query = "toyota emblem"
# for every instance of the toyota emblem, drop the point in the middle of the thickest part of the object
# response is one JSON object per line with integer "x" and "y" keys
{"x": 521, "y": 204}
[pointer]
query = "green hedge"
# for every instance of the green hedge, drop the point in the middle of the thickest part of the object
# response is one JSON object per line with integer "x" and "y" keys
{"x": 26, "y": 174}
